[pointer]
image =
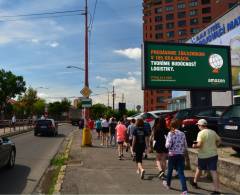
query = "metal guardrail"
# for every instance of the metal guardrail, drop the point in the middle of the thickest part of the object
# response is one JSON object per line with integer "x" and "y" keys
{"x": 21, "y": 125}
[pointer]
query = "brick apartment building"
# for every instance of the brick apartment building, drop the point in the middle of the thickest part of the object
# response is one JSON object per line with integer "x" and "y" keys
{"x": 176, "y": 21}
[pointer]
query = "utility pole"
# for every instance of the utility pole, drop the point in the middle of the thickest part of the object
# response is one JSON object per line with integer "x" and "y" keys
{"x": 86, "y": 45}
{"x": 113, "y": 95}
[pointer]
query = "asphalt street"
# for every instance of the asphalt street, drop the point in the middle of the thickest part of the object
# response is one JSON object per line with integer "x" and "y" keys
{"x": 32, "y": 159}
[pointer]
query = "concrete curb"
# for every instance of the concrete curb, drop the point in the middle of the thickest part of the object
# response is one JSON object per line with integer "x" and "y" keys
{"x": 61, "y": 174}
{"x": 11, "y": 134}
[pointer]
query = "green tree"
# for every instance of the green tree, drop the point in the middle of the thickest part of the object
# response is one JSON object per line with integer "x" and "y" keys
{"x": 10, "y": 86}
{"x": 28, "y": 100}
{"x": 39, "y": 107}
{"x": 98, "y": 110}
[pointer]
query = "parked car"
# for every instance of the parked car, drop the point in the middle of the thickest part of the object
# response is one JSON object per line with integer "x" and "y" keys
{"x": 7, "y": 153}
{"x": 46, "y": 126}
{"x": 190, "y": 116}
{"x": 150, "y": 116}
{"x": 229, "y": 127}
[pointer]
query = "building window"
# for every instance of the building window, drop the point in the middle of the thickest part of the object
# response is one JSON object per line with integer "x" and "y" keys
{"x": 182, "y": 23}
{"x": 169, "y": 8}
{"x": 181, "y": 5}
{"x": 206, "y": 10}
{"x": 169, "y": 16}
{"x": 193, "y": 21}
{"x": 159, "y": 27}
{"x": 158, "y": 19}
{"x": 193, "y": 12}
{"x": 182, "y": 32}
{"x": 158, "y": 10}
{"x": 193, "y": 3}
{"x": 181, "y": 14}
{"x": 205, "y": 2}
{"x": 182, "y": 40}
{"x": 170, "y": 25}
{"x": 168, "y": 1}
{"x": 157, "y": 2}
{"x": 160, "y": 99}
{"x": 230, "y": 5}
{"x": 206, "y": 19}
{"x": 194, "y": 30}
{"x": 170, "y": 34}
{"x": 158, "y": 35}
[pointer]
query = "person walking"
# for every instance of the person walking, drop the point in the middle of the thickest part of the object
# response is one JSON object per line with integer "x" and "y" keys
{"x": 140, "y": 142}
{"x": 207, "y": 142}
{"x": 177, "y": 146}
{"x": 121, "y": 136}
{"x": 148, "y": 130}
{"x": 159, "y": 134}
{"x": 98, "y": 125}
{"x": 112, "y": 131}
{"x": 14, "y": 121}
{"x": 105, "y": 132}
{"x": 130, "y": 130}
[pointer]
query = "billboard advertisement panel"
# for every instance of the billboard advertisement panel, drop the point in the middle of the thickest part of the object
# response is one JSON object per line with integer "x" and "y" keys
{"x": 186, "y": 66}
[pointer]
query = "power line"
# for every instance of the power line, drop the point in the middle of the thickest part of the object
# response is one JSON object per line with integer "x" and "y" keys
{"x": 43, "y": 13}
{"x": 58, "y": 16}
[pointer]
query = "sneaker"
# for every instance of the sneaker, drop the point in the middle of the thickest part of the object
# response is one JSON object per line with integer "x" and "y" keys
{"x": 215, "y": 192}
{"x": 138, "y": 172}
{"x": 134, "y": 158}
{"x": 142, "y": 174}
{"x": 146, "y": 156}
{"x": 119, "y": 158}
{"x": 165, "y": 185}
{"x": 127, "y": 149}
{"x": 184, "y": 193}
{"x": 160, "y": 174}
{"x": 194, "y": 184}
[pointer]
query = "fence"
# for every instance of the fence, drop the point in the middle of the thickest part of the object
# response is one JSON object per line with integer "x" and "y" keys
{"x": 6, "y": 126}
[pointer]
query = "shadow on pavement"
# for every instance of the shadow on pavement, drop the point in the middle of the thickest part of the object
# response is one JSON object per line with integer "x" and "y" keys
{"x": 13, "y": 181}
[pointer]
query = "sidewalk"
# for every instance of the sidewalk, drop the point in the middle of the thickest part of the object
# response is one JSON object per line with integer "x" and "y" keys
{"x": 97, "y": 170}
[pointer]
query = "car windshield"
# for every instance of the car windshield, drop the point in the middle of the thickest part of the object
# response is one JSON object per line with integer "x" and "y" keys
{"x": 232, "y": 112}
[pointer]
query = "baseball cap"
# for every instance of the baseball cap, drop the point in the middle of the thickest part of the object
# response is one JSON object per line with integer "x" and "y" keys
{"x": 202, "y": 122}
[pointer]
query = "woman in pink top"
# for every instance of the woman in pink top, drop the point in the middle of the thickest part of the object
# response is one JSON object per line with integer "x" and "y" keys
{"x": 121, "y": 135}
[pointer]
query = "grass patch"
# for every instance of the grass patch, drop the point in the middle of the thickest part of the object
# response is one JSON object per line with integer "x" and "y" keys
{"x": 57, "y": 162}
{"x": 54, "y": 180}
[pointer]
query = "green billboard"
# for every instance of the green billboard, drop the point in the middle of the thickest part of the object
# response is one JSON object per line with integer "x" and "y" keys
{"x": 186, "y": 66}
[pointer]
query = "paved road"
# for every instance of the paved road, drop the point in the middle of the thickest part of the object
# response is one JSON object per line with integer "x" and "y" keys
{"x": 33, "y": 157}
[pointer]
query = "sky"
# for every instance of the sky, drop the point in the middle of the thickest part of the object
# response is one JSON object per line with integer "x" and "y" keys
{"x": 41, "y": 49}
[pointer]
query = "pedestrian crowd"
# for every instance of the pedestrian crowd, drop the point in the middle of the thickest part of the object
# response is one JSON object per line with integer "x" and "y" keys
{"x": 168, "y": 142}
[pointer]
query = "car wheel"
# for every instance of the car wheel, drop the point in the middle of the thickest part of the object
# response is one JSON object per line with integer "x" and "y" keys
{"x": 11, "y": 161}
{"x": 236, "y": 149}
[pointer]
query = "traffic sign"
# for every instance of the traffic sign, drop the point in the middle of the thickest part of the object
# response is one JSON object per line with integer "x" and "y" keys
{"x": 86, "y": 102}
{"x": 86, "y": 91}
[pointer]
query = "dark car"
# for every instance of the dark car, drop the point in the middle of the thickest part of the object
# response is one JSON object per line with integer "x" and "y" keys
{"x": 190, "y": 116}
{"x": 229, "y": 127}
{"x": 7, "y": 153}
{"x": 46, "y": 127}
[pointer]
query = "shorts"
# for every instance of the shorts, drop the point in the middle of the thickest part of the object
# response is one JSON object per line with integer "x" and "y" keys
{"x": 208, "y": 163}
{"x": 139, "y": 150}
{"x": 105, "y": 129}
{"x": 98, "y": 130}
{"x": 120, "y": 142}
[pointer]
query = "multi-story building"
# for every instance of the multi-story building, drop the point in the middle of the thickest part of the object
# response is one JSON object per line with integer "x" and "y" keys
{"x": 176, "y": 21}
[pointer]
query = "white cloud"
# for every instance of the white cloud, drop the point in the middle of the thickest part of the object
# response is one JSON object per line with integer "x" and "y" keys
{"x": 53, "y": 44}
{"x": 103, "y": 79}
{"x": 35, "y": 40}
{"x": 136, "y": 73}
{"x": 132, "y": 53}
